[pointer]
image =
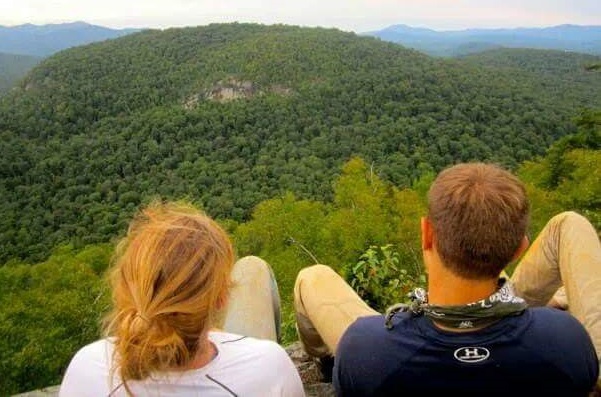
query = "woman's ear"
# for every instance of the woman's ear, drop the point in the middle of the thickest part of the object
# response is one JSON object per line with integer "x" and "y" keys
{"x": 222, "y": 301}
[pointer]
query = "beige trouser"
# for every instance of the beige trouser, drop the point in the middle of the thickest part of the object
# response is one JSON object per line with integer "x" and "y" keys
{"x": 253, "y": 307}
{"x": 567, "y": 252}
{"x": 325, "y": 306}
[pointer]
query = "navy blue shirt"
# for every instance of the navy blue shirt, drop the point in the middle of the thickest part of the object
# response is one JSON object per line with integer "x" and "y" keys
{"x": 543, "y": 351}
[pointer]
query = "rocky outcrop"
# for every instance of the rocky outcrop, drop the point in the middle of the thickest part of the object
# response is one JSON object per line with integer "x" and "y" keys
{"x": 226, "y": 91}
{"x": 232, "y": 89}
{"x": 309, "y": 372}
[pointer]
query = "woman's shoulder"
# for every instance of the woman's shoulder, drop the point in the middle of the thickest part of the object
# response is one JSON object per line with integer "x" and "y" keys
{"x": 242, "y": 342}
{"x": 88, "y": 369}
{"x": 100, "y": 350}
{"x": 255, "y": 364}
{"x": 239, "y": 347}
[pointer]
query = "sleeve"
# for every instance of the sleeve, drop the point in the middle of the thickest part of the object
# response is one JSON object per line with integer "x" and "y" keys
{"x": 572, "y": 349}
{"x": 71, "y": 383}
{"x": 85, "y": 374}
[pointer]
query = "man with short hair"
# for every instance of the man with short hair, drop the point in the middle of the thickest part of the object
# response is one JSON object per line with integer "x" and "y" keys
{"x": 473, "y": 332}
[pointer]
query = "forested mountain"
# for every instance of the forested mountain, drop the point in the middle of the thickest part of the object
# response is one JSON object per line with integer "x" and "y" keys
{"x": 560, "y": 64}
{"x": 13, "y": 67}
{"x": 585, "y": 39}
{"x": 24, "y": 46}
{"x": 44, "y": 40}
{"x": 560, "y": 71}
{"x": 229, "y": 115}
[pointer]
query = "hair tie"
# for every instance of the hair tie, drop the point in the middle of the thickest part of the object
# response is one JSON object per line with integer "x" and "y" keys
{"x": 143, "y": 318}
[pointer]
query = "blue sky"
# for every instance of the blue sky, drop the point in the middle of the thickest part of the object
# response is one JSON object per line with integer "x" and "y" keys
{"x": 350, "y": 15}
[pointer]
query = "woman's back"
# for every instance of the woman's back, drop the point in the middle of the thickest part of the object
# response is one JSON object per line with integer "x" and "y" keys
{"x": 243, "y": 366}
{"x": 174, "y": 282}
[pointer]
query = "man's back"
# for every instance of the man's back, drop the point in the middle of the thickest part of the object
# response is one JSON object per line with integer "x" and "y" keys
{"x": 540, "y": 352}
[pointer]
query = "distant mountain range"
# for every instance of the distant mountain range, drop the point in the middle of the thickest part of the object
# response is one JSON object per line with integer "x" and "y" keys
{"x": 44, "y": 40}
{"x": 24, "y": 46}
{"x": 585, "y": 39}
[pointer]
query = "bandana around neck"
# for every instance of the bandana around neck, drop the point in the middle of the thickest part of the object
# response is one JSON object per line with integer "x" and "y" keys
{"x": 502, "y": 303}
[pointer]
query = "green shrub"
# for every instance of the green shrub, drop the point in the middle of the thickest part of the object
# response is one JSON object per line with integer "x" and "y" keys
{"x": 48, "y": 311}
{"x": 384, "y": 276}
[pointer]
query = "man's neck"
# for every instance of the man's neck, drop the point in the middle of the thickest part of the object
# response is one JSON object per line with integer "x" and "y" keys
{"x": 446, "y": 289}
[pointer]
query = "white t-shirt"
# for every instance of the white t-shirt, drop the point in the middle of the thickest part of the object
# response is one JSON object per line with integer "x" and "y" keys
{"x": 244, "y": 366}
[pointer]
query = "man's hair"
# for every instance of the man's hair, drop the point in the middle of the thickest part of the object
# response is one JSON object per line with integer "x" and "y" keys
{"x": 170, "y": 274}
{"x": 479, "y": 213}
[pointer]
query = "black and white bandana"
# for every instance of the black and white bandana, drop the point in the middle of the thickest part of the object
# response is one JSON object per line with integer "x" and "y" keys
{"x": 484, "y": 312}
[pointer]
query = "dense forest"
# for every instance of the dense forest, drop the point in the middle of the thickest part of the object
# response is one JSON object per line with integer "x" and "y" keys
{"x": 307, "y": 144}
{"x": 93, "y": 132}
{"x": 13, "y": 67}
{"x": 557, "y": 71}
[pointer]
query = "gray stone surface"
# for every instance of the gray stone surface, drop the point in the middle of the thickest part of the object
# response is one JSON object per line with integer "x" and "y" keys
{"x": 309, "y": 373}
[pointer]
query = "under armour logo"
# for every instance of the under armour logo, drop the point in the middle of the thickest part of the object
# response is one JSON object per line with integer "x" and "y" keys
{"x": 471, "y": 354}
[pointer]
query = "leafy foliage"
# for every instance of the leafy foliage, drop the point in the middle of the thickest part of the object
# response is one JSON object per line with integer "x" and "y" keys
{"x": 13, "y": 67}
{"x": 292, "y": 233}
{"x": 47, "y": 312}
{"x": 92, "y": 133}
{"x": 559, "y": 71}
{"x": 569, "y": 176}
{"x": 381, "y": 279}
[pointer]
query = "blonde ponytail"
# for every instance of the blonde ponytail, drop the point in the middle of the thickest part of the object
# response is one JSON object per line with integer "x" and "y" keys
{"x": 171, "y": 273}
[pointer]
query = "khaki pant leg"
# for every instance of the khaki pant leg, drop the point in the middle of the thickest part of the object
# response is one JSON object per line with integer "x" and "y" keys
{"x": 253, "y": 307}
{"x": 567, "y": 252}
{"x": 325, "y": 306}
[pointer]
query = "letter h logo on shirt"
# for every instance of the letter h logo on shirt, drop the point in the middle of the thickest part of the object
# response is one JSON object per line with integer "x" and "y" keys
{"x": 471, "y": 354}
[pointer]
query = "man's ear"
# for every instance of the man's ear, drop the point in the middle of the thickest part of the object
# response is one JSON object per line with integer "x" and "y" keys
{"x": 521, "y": 249}
{"x": 427, "y": 233}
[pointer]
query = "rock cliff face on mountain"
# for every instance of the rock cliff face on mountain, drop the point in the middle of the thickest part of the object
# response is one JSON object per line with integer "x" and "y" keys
{"x": 307, "y": 368}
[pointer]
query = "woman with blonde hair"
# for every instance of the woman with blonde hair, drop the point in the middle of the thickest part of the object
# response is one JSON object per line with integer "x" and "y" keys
{"x": 175, "y": 287}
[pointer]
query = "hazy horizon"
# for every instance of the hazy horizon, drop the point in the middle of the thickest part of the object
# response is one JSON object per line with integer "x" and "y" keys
{"x": 348, "y": 15}
{"x": 376, "y": 29}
